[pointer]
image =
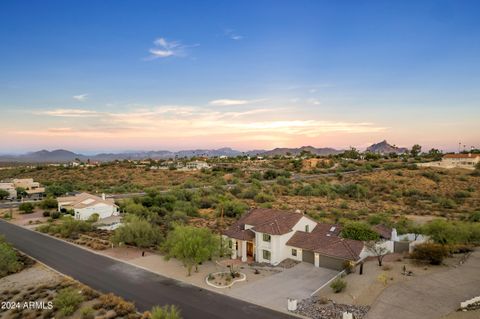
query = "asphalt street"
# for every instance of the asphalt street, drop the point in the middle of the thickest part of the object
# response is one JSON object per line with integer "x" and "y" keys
{"x": 144, "y": 288}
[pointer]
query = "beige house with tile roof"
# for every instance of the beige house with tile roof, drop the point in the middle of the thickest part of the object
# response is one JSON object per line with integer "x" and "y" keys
{"x": 85, "y": 205}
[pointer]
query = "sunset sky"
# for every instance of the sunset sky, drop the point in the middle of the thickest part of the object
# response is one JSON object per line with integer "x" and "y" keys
{"x": 117, "y": 75}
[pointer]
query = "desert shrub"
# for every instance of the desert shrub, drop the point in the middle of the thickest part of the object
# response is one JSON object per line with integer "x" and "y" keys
{"x": 93, "y": 218}
{"x": 165, "y": 312}
{"x": 474, "y": 217}
{"x": 338, "y": 285}
{"x": 431, "y": 175}
{"x": 55, "y": 215}
{"x": 109, "y": 301}
{"x": 26, "y": 208}
{"x": 359, "y": 231}
{"x": 67, "y": 301}
{"x": 124, "y": 308}
{"x": 264, "y": 198}
{"x": 232, "y": 208}
{"x": 445, "y": 232}
{"x": 49, "y": 203}
{"x": 447, "y": 203}
{"x": 138, "y": 232}
{"x": 87, "y": 313}
{"x": 431, "y": 253}
{"x": 46, "y": 214}
{"x": 9, "y": 260}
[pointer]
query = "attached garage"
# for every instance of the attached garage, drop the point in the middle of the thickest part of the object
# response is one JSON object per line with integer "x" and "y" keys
{"x": 331, "y": 263}
{"x": 308, "y": 256}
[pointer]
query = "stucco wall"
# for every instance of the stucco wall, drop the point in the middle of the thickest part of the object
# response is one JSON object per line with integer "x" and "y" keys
{"x": 102, "y": 210}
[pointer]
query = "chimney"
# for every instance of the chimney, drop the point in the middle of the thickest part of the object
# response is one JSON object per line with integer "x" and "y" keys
{"x": 103, "y": 196}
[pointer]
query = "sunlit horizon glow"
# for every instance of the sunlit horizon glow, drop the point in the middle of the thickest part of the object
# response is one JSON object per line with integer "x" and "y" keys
{"x": 239, "y": 75}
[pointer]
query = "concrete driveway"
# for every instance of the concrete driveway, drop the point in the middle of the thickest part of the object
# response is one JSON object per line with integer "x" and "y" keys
{"x": 297, "y": 282}
{"x": 432, "y": 296}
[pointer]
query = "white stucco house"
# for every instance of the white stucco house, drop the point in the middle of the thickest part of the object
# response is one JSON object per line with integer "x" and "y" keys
{"x": 85, "y": 205}
{"x": 271, "y": 236}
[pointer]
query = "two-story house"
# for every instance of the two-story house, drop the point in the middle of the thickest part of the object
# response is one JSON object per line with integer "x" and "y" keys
{"x": 271, "y": 236}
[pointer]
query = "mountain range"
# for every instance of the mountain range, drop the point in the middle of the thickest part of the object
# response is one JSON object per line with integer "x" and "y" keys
{"x": 61, "y": 156}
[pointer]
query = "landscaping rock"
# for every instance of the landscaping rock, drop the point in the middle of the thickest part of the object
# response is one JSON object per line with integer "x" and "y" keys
{"x": 316, "y": 308}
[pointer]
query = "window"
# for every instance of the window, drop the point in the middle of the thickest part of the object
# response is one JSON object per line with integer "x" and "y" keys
{"x": 230, "y": 244}
{"x": 266, "y": 254}
{"x": 307, "y": 228}
{"x": 266, "y": 237}
{"x": 294, "y": 252}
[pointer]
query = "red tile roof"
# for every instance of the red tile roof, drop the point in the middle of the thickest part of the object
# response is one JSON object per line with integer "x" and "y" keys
{"x": 325, "y": 242}
{"x": 264, "y": 220}
{"x": 383, "y": 231}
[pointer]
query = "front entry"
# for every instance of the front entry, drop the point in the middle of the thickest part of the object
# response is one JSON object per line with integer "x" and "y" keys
{"x": 250, "y": 249}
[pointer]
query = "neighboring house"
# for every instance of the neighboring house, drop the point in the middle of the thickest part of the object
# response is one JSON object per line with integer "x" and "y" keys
{"x": 197, "y": 165}
{"x": 33, "y": 189}
{"x": 85, "y": 205}
{"x": 271, "y": 236}
{"x": 467, "y": 161}
{"x": 10, "y": 188}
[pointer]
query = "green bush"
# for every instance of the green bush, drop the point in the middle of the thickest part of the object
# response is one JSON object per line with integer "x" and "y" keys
{"x": 8, "y": 259}
{"x": 49, "y": 203}
{"x": 67, "y": 301}
{"x": 138, "y": 232}
{"x": 87, "y": 313}
{"x": 338, "y": 285}
{"x": 165, "y": 312}
{"x": 431, "y": 253}
{"x": 67, "y": 228}
{"x": 359, "y": 231}
{"x": 26, "y": 208}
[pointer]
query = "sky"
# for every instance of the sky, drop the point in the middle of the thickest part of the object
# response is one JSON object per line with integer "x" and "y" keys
{"x": 119, "y": 75}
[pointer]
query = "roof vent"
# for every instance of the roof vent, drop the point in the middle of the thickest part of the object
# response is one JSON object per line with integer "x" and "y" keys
{"x": 332, "y": 229}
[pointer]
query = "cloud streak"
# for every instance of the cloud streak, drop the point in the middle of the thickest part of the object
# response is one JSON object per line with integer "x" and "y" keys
{"x": 195, "y": 123}
{"x": 164, "y": 49}
{"x": 80, "y": 97}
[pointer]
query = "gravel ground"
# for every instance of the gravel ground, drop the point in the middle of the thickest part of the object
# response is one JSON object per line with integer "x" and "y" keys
{"x": 316, "y": 308}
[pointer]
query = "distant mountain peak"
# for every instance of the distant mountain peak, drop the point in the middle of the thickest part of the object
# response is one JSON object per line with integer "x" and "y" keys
{"x": 384, "y": 147}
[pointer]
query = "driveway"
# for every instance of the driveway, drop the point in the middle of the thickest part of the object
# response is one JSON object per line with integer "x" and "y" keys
{"x": 297, "y": 282}
{"x": 431, "y": 296}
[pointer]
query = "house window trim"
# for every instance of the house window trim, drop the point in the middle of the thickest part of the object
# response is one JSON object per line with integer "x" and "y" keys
{"x": 267, "y": 254}
{"x": 266, "y": 238}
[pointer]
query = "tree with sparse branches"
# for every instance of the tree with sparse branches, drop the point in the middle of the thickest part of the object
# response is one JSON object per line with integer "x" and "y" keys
{"x": 377, "y": 249}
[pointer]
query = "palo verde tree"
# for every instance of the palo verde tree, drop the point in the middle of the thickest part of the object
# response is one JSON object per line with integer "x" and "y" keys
{"x": 377, "y": 249}
{"x": 192, "y": 246}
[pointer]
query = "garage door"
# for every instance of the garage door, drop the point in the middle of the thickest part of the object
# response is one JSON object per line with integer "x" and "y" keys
{"x": 331, "y": 263}
{"x": 308, "y": 256}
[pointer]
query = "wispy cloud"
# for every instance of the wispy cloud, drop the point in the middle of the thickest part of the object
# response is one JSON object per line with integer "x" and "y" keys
{"x": 69, "y": 113}
{"x": 164, "y": 49}
{"x": 233, "y": 35}
{"x": 80, "y": 97}
{"x": 195, "y": 123}
{"x": 228, "y": 102}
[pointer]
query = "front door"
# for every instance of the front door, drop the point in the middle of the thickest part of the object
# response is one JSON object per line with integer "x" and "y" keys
{"x": 250, "y": 249}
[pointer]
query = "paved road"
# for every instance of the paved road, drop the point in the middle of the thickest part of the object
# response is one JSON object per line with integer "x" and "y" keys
{"x": 144, "y": 288}
{"x": 432, "y": 296}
